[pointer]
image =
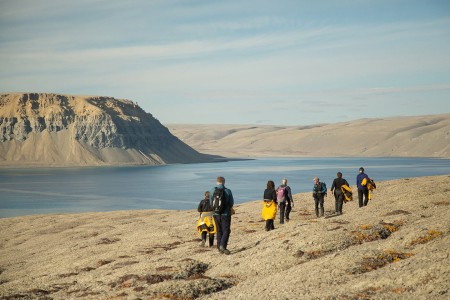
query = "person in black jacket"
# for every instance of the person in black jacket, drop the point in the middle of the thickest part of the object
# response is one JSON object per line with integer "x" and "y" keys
{"x": 270, "y": 196}
{"x": 205, "y": 207}
{"x": 338, "y": 194}
{"x": 319, "y": 193}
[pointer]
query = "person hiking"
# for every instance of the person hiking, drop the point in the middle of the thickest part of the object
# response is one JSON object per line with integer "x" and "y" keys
{"x": 206, "y": 222}
{"x": 269, "y": 205}
{"x": 338, "y": 194}
{"x": 319, "y": 192}
{"x": 285, "y": 200}
{"x": 222, "y": 202}
{"x": 362, "y": 188}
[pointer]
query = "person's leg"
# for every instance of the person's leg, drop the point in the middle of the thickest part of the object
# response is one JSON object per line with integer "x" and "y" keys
{"x": 340, "y": 203}
{"x": 226, "y": 230}
{"x": 204, "y": 233}
{"x": 360, "y": 198}
{"x": 282, "y": 211}
{"x": 366, "y": 196}
{"x": 336, "y": 203}
{"x": 272, "y": 226}
{"x": 218, "y": 221}
{"x": 288, "y": 211}
{"x": 322, "y": 210}
{"x": 211, "y": 239}
{"x": 267, "y": 225}
{"x": 316, "y": 206}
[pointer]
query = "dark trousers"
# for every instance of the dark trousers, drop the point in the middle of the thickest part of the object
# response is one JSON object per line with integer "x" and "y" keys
{"x": 211, "y": 238}
{"x": 223, "y": 223}
{"x": 318, "y": 202}
{"x": 288, "y": 210}
{"x": 269, "y": 225}
{"x": 282, "y": 211}
{"x": 339, "y": 198}
{"x": 363, "y": 192}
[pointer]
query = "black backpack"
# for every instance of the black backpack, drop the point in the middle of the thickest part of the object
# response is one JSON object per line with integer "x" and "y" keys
{"x": 219, "y": 201}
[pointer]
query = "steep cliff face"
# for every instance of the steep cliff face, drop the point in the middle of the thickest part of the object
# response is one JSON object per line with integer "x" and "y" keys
{"x": 52, "y": 129}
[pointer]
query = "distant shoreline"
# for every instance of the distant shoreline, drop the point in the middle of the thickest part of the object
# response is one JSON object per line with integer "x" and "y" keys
{"x": 4, "y": 165}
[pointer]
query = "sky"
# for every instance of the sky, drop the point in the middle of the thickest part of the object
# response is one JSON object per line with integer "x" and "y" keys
{"x": 235, "y": 62}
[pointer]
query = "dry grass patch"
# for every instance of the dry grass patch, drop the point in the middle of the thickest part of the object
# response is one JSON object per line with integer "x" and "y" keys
{"x": 397, "y": 212}
{"x": 442, "y": 203}
{"x": 383, "y": 258}
{"x": 369, "y": 233}
{"x": 431, "y": 235}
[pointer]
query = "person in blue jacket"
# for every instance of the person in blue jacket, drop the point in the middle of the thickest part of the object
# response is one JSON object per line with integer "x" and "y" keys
{"x": 319, "y": 193}
{"x": 223, "y": 218}
{"x": 362, "y": 189}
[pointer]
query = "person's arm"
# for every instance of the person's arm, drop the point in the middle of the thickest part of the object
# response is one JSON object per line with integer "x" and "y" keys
{"x": 200, "y": 206}
{"x": 333, "y": 186}
{"x": 211, "y": 195}
{"x": 290, "y": 196}
{"x": 230, "y": 199}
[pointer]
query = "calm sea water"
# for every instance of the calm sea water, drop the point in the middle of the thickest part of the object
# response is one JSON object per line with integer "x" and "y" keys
{"x": 179, "y": 187}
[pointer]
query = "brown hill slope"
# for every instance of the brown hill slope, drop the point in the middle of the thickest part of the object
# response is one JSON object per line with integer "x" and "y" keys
{"x": 395, "y": 248}
{"x": 426, "y": 136}
{"x": 52, "y": 129}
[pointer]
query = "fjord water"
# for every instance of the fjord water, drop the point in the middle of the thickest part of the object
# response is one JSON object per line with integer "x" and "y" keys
{"x": 179, "y": 187}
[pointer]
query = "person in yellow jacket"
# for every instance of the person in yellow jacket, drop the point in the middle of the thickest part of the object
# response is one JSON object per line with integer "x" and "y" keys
{"x": 269, "y": 210}
{"x": 206, "y": 223}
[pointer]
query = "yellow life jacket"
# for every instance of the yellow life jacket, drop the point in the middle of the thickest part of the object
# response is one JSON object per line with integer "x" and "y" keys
{"x": 347, "y": 191}
{"x": 364, "y": 182}
{"x": 371, "y": 186}
{"x": 269, "y": 211}
{"x": 206, "y": 223}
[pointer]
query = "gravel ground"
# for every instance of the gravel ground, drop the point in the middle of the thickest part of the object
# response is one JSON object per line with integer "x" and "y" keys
{"x": 395, "y": 248}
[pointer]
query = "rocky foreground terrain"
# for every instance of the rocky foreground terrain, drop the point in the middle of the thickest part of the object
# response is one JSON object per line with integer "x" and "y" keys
{"x": 63, "y": 130}
{"x": 421, "y": 136}
{"x": 395, "y": 248}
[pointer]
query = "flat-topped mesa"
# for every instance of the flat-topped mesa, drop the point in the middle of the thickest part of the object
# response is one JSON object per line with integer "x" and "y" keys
{"x": 71, "y": 130}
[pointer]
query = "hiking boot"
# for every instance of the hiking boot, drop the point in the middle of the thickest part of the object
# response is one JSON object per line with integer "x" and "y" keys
{"x": 224, "y": 251}
{"x": 321, "y": 212}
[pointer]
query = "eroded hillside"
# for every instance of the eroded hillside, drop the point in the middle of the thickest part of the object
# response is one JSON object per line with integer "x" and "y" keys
{"x": 53, "y": 129}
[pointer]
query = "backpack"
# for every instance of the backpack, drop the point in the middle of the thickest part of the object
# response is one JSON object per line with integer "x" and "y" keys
{"x": 219, "y": 201}
{"x": 324, "y": 188}
{"x": 281, "y": 191}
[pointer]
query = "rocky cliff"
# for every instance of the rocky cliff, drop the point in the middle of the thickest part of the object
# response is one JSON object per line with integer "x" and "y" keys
{"x": 52, "y": 129}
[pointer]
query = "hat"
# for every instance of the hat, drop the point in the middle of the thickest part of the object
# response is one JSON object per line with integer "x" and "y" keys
{"x": 361, "y": 169}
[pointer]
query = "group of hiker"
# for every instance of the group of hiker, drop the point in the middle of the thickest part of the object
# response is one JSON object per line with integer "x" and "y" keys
{"x": 217, "y": 206}
{"x": 215, "y": 215}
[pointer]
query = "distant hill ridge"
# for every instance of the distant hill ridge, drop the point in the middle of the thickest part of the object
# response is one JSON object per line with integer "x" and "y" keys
{"x": 419, "y": 136}
{"x": 55, "y": 129}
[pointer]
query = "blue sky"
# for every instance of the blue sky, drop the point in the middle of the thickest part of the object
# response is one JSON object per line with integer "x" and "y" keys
{"x": 235, "y": 62}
